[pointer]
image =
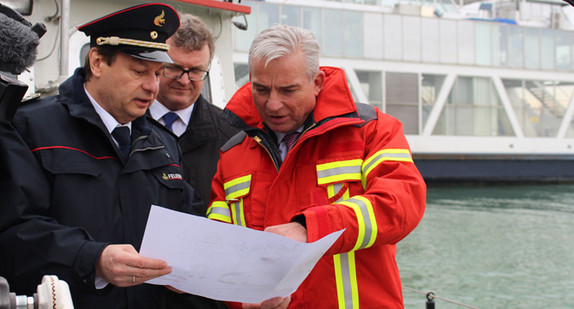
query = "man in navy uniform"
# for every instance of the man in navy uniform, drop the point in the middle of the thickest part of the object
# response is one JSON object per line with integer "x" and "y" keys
{"x": 105, "y": 164}
{"x": 182, "y": 108}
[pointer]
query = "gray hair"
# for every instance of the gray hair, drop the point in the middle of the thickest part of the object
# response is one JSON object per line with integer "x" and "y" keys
{"x": 193, "y": 34}
{"x": 283, "y": 40}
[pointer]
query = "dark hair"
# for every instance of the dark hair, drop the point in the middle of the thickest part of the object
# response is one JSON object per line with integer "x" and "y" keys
{"x": 193, "y": 34}
{"x": 109, "y": 53}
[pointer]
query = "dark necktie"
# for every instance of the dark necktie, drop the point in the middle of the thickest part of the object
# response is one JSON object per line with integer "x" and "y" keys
{"x": 122, "y": 136}
{"x": 290, "y": 139}
{"x": 169, "y": 119}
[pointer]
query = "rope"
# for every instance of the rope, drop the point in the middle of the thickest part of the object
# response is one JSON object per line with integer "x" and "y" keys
{"x": 114, "y": 40}
{"x": 431, "y": 295}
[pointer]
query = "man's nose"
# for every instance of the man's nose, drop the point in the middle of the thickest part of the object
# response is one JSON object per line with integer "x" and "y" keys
{"x": 151, "y": 83}
{"x": 274, "y": 102}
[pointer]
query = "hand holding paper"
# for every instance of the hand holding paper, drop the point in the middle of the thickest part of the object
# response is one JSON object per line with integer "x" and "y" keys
{"x": 228, "y": 262}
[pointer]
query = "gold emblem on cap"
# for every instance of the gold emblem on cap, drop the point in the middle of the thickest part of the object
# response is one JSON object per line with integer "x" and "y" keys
{"x": 159, "y": 20}
{"x": 153, "y": 35}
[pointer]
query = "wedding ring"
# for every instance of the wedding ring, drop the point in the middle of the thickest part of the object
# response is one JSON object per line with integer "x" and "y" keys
{"x": 134, "y": 279}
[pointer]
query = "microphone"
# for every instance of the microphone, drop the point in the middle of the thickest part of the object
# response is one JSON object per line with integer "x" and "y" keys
{"x": 19, "y": 41}
{"x": 17, "y": 52}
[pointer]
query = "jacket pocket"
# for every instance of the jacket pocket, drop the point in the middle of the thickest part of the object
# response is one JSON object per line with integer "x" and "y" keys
{"x": 71, "y": 161}
{"x": 236, "y": 191}
{"x": 336, "y": 177}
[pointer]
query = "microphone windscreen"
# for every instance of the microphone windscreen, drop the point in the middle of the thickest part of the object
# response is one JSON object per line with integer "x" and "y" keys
{"x": 18, "y": 45}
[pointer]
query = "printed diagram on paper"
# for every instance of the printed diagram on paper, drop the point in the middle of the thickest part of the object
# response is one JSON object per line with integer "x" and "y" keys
{"x": 228, "y": 262}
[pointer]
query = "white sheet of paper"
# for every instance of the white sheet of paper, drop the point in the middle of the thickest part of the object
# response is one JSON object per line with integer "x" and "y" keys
{"x": 228, "y": 262}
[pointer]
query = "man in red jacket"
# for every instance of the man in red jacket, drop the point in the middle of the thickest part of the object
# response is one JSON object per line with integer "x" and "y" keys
{"x": 311, "y": 161}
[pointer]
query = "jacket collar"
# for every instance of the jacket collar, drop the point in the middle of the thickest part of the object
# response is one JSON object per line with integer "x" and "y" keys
{"x": 73, "y": 96}
{"x": 201, "y": 126}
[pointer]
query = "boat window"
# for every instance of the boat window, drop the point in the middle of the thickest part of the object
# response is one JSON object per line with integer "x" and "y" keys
{"x": 402, "y": 99}
{"x": 393, "y": 37}
{"x": 448, "y": 46}
{"x": 515, "y": 47}
{"x": 483, "y": 43}
{"x": 268, "y": 16}
{"x": 539, "y": 105}
{"x": 430, "y": 88}
{"x": 532, "y": 48}
{"x": 547, "y": 48}
{"x": 333, "y": 43}
{"x": 243, "y": 38}
{"x": 412, "y": 38}
{"x": 465, "y": 35}
{"x": 500, "y": 53}
{"x": 353, "y": 34}
{"x": 291, "y": 15}
{"x": 564, "y": 55}
{"x": 241, "y": 74}
{"x": 473, "y": 108}
{"x": 430, "y": 40}
{"x": 312, "y": 21}
{"x": 372, "y": 86}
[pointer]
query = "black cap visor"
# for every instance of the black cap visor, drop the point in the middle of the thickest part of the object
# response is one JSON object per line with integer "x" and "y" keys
{"x": 150, "y": 55}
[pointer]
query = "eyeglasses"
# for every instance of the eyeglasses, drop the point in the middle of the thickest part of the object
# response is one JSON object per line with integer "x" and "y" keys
{"x": 176, "y": 72}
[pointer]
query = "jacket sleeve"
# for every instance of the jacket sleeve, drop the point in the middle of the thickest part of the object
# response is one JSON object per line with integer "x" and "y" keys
{"x": 391, "y": 201}
{"x": 31, "y": 243}
{"x": 218, "y": 208}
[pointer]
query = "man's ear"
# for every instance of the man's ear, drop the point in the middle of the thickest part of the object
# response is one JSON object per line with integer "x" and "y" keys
{"x": 318, "y": 82}
{"x": 96, "y": 62}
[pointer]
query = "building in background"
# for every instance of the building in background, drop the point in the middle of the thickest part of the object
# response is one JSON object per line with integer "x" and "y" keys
{"x": 484, "y": 89}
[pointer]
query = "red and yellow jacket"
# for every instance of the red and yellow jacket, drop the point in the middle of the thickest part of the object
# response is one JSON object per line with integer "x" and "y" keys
{"x": 351, "y": 169}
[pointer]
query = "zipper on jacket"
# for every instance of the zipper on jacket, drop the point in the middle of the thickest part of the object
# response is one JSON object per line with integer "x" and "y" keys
{"x": 259, "y": 141}
{"x": 141, "y": 137}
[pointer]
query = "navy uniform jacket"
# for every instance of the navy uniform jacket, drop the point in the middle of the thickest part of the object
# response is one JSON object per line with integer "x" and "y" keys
{"x": 93, "y": 198}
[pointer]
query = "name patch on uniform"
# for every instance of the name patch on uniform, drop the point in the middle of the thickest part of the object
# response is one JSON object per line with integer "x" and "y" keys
{"x": 175, "y": 176}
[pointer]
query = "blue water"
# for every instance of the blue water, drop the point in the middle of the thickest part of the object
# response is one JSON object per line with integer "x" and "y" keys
{"x": 492, "y": 247}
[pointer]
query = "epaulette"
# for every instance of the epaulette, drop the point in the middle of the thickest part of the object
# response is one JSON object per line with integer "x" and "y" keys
{"x": 31, "y": 98}
{"x": 366, "y": 112}
{"x": 234, "y": 141}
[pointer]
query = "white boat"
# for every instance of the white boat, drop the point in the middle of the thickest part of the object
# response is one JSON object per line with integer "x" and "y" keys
{"x": 485, "y": 89}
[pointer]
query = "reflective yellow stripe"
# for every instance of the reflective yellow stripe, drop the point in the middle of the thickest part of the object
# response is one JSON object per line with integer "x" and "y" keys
{"x": 237, "y": 187}
{"x": 339, "y": 171}
{"x": 237, "y": 213}
{"x": 366, "y": 221}
{"x": 219, "y": 211}
{"x": 401, "y": 155}
{"x": 346, "y": 278}
{"x": 344, "y": 263}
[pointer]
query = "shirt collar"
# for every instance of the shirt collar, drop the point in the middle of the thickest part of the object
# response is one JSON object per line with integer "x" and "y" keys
{"x": 157, "y": 110}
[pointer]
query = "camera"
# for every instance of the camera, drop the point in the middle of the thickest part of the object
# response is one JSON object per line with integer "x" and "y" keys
{"x": 17, "y": 52}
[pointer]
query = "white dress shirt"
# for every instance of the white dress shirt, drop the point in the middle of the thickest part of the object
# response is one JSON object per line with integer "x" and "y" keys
{"x": 157, "y": 110}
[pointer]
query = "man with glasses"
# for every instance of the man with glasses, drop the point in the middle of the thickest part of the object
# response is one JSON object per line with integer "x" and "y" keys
{"x": 184, "y": 111}
{"x": 196, "y": 122}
